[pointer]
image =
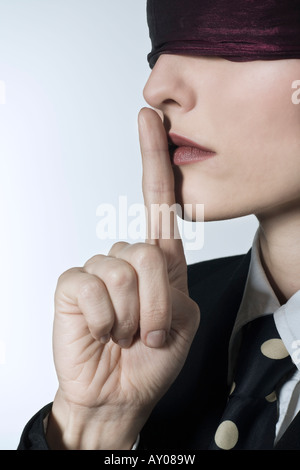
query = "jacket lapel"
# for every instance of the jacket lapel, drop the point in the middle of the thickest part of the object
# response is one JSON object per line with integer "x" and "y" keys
{"x": 187, "y": 415}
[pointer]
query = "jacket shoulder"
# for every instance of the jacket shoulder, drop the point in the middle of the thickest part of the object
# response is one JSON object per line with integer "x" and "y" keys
{"x": 219, "y": 269}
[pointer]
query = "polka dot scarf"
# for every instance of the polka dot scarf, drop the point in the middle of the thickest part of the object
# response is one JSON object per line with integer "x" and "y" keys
{"x": 249, "y": 419}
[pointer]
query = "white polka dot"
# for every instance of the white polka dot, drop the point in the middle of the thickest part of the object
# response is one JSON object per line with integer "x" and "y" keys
{"x": 272, "y": 397}
{"x": 226, "y": 435}
{"x": 274, "y": 349}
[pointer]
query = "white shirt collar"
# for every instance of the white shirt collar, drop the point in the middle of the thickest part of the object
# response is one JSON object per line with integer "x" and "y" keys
{"x": 259, "y": 298}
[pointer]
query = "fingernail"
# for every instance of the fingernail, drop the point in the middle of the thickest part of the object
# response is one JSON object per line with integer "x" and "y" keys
{"x": 105, "y": 339}
{"x": 156, "y": 339}
{"x": 125, "y": 343}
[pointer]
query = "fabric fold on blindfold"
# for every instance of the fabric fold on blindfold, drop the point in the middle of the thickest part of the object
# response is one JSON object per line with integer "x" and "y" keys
{"x": 239, "y": 31}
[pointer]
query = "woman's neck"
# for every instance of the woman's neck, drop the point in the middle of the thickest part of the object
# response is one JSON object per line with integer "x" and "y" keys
{"x": 279, "y": 237}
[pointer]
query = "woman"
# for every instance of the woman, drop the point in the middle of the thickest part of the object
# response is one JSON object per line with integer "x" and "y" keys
{"x": 135, "y": 368}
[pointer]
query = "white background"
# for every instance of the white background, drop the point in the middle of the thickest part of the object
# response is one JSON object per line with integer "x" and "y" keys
{"x": 73, "y": 72}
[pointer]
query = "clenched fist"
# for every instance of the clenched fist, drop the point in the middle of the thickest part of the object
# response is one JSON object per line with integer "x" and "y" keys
{"x": 123, "y": 323}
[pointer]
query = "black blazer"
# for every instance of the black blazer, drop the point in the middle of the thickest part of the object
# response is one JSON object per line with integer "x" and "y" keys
{"x": 189, "y": 413}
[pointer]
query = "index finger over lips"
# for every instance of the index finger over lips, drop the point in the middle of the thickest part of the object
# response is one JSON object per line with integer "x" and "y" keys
{"x": 158, "y": 185}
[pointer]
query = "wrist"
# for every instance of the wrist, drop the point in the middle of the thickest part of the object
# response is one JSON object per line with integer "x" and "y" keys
{"x": 75, "y": 427}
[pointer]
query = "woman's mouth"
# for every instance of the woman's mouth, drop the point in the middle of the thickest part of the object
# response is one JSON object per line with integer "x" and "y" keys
{"x": 184, "y": 151}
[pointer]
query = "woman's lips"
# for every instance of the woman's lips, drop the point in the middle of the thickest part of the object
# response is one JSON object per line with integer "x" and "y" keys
{"x": 184, "y": 151}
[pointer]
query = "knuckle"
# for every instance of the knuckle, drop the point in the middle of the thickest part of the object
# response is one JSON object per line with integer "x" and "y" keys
{"x": 64, "y": 281}
{"x": 148, "y": 255}
{"x": 66, "y": 274}
{"x": 121, "y": 277}
{"x": 90, "y": 288}
{"x": 94, "y": 259}
{"x": 117, "y": 248}
{"x": 118, "y": 245}
{"x": 160, "y": 187}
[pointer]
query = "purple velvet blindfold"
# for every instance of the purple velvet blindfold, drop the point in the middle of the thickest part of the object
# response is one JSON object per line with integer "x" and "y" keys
{"x": 237, "y": 30}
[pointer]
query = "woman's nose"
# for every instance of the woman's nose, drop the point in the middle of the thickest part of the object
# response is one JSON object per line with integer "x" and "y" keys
{"x": 168, "y": 86}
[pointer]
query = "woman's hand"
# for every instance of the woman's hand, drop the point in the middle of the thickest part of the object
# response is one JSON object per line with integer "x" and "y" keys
{"x": 124, "y": 322}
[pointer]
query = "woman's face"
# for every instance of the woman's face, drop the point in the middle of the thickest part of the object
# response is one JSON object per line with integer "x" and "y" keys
{"x": 243, "y": 111}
